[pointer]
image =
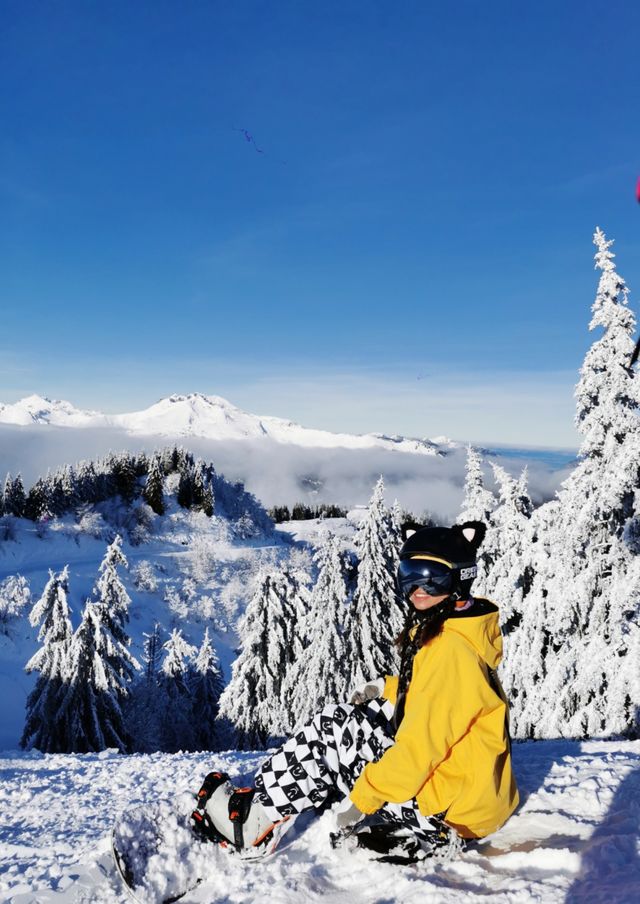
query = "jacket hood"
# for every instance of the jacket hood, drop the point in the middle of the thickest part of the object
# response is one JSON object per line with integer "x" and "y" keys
{"x": 480, "y": 628}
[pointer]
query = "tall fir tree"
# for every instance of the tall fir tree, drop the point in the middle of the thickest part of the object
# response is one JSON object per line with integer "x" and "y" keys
{"x": 6, "y": 490}
{"x": 113, "y": 601}
{"x": 478, "y": 504}
{"x": 101, "y": 665}
{"x": 207, "y": 684}
{"x": 185, "y": 487}
{"x": 14, "y": 496}
{"x": 177, "y": 730}
{"x": 600, "y": 586}
{"x": 142, "y": 708}
{"x": 254, "y": 701}
{"x": 91, "y": 704}
{"x": 318, "y": 676}
{"x": 525, "y": 665}
{"x": 202, "y": 492}
{"x": 395, "y": 519}
{"x": 123, "y": 470}
{"x": 44, "y": 725}
{"x": 151, "y": 653}
{"x": 576, "y": 667}
{"x": 507, "y": 545}
{"x": 153, "y": 492}
{"x": 374, "y": 618}
{"x": 606, "y": 394}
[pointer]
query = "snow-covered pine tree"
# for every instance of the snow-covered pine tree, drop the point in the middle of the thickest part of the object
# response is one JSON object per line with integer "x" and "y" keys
{"x": 85, "y": 482}
{"x": 395, "y": 520}
{"x": 177, "y": 459}
{"x": 593, "y": 605}
{"x": 202, "y": 492}
{"x": 123, "y": 471}
{"x": 101, "y": 666}
{"x": 153, "y": 492}
{"x": 142, "y": 706}
{"x": 176, "y": 724}
{"x": 14, "y": 496}
{"x": 68, "y": 482}
{"x": 6, "y": 491}
{"x": 318, "y": 676}
{"x": 57, "y": 499}
{"x": 524, "y": 667}
{"x": 91, "y": 703}
{"x": 151, "y": 654}
{"x": 185, "y": 487}
{"x": 254, "y": 701}
{"x": 15, "y": 596}
{"x": 374, "y": 617}
{"x": 112, "y": 599}
{"x": 507, "y": 545}
{"x": 478, "y": 502}
{"x": 606, "y": 396}
{"x": 38, "y": 501}
{"x": 44, "y": 726}
{"x": 207, "y": 684}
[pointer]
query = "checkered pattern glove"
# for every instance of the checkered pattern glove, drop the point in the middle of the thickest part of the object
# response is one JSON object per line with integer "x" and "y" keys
{"x": 368, "y": 691}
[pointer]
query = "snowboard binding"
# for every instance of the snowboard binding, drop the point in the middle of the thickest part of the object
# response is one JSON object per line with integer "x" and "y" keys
{"x": 200, "y": 819}
{"x": 394, "y": 843}
{"x": 241, "y": 825}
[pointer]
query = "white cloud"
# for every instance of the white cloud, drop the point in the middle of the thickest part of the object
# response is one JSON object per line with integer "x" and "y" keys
{"x": 276, "y": 472}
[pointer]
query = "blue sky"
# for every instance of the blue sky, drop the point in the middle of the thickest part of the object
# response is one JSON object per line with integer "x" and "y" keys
{"x": 410, "y": 253}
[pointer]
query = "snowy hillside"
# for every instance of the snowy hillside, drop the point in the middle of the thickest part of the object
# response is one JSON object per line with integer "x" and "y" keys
{"x": 185, "y": 570}
{"x": 574, "y": 839}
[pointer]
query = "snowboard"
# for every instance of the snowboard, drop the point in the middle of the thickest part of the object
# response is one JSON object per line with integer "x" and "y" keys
{"x": 157, "y": 854}
{"x": 161, "y": 858}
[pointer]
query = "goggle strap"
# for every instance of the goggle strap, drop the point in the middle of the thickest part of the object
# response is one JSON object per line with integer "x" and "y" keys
{"x": 434, "y": 559}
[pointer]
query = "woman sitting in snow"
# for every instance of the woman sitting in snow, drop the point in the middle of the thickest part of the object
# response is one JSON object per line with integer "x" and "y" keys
{"x": 427, "y": 751}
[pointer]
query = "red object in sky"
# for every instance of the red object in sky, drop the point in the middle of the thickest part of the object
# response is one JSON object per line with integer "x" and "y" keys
{"x": 638, "y": 191}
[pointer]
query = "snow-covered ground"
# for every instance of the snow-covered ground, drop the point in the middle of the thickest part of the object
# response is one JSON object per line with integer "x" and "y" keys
{"x": 574, "y": 839}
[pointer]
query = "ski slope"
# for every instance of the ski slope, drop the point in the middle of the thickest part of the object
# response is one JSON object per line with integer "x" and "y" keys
{"x": 574, "y": 839}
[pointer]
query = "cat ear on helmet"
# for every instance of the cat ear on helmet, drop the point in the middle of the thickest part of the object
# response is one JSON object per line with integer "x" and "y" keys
{"x": 409, "y": 529}
{"x": 472, "y": 531}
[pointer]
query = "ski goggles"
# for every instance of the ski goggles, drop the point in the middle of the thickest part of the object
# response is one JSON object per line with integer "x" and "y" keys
{"x": 433, "y": 576}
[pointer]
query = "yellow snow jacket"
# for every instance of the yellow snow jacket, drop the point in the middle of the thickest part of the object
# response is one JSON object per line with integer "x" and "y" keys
{"x": 452, "y": 750}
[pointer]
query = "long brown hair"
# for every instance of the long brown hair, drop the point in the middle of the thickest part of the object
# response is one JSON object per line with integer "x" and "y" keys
{"x": 427, "y": 628}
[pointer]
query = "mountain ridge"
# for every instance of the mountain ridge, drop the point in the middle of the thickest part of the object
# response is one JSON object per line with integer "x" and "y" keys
{"x": 210, "y": 417}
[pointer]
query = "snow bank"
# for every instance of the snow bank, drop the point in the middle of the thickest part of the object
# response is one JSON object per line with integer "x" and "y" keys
{"x": 575, "y": 837}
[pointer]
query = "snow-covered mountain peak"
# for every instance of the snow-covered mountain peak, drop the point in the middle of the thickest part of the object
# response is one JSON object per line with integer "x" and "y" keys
{"x": 197, "y": 398}
{"x": 209, "y": 417}
{"x": 194, "y": 414}
{"x": 36, "y": 409}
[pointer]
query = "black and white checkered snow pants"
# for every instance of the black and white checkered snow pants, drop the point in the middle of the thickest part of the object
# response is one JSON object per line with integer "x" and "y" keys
{"x": 322, "y": 761}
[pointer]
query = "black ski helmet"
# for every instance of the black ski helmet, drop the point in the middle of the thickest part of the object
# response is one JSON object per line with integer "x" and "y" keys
{"x": 440, "y": 559}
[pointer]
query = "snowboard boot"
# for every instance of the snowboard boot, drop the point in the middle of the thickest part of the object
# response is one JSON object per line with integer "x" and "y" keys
{"x": 395, "y": 843}
{"x": 235, "y": 819}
